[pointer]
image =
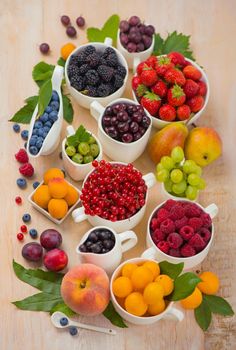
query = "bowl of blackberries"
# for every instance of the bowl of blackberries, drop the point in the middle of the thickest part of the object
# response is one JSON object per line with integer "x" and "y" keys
{"x": 123, "y": 129}
{"x": 96, "y": 71}
{"x": 135, "y": 40}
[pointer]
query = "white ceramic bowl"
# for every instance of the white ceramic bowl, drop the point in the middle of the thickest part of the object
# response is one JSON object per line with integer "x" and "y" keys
{"x": 120, "y": 225}
{"x": 171, "y": 196}
{"x": 153, "y": 252}
{"x": 84, "y": 100}
{"x": 159, "y": 124}
{"x": 134, "y": 58}
{"x": 169, "y": 313}
{"x": 77, "y": 171}
{"x": 116, "y": 150}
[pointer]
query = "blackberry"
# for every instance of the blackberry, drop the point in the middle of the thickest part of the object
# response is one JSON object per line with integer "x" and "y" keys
{"x": 118, "y": 81}
{"x": 108, "y": 51}
{"x": 103, "y": 61}
{"x": 105, "y": 72}
{"x": 72, "y": 71}
{"x": 91, "y": 77}
{"x": 93, "y": 60}
{"x": 121, "y": 71}
{"x": 104, "y": 90}
{"x": 89, "y": 50}
{"x": 112, "y": 60}
{"x": 81, "y": 57}
{"x": 90, "y": 91}
{"x": 83, "y": 69}
{"x": 77, "y": 82}
{"x": 73, "y": 60}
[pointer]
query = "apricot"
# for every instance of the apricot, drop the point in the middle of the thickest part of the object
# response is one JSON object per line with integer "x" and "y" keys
{"x": 58, "y": 187}
{"x": 42, "y": 196}
{"x": 51, "y": 174}
{"x": 57, "y": 208}
{"x": 72, "y": 196}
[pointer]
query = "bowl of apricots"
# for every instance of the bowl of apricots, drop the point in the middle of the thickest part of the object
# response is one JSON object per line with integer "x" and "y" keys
{"x": 55, "y": 197}
{"x": 139, "y": 291}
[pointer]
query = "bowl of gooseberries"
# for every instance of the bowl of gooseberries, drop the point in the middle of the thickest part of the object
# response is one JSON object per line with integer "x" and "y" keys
{"x": 180, "y": 177}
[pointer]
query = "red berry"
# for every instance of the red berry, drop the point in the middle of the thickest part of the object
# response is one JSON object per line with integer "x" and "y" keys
{"x": 22, "y": 156}
{"x": 151, "y": 61}
{"x": 148, "y": 76}
{"x": 183, "y": 112}
{"x": 177, "y": 58}
{"x": 202, "y": 88}
{"x": 23, "y": 228}
{"x": 71, "y": 31}
{"x": 195, "y": 103}
{"x": 136, "y": 81}
{"x": 26, "y": 170}
{"x": 162, "y": 65}
{"x": 44, "y": 48}
{"x": 20, "y": 236}
{"x": 174, "y": 76}
{"x": 191, "y": 72}
{"x": 140, "y": 67}
{"x": 94, "y": 163}
{"x": 176, "y": 96}
{"x": 18, "y": 200}
{"x": 167, "y": 113}
{"x": 160, "y": 88}
{"x": 164, "y": 246}
{"x": 190, "y": 88}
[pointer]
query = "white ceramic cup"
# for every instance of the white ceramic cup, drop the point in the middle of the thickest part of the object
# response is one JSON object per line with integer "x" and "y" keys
{"x": 77, "y": 171}
{"x": 159, "y": 124}
{"x": 134, "y": 58}
{"x": 116, "y": 150}
{"x": 153, "y": 252}
{"x": 169, "y": 313}
{"x": 84, "y": 100}
{"x": 120, "y": 225}
{"x": 109, "y": 261}
{"x": 171, "y": 196}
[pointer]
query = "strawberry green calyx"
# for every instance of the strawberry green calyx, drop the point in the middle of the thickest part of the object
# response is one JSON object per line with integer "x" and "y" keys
{"x": 141, "y": 90}
{"x": 163, "y": 60}
{"x": 177, "y": 91}
{"x": 151, "y": 96}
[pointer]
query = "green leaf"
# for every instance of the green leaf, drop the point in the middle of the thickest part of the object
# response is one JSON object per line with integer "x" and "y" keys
{"x": 72, "y": 140}
{"x": 218, "y": 305}
{"x": 24, "y": 114}
{"x": 184, "y": 285}
{"x": 177, "y": 42}
{"x": 82, "y": 134}
{"x": 111, "y": 314}
{"x": 109, "y": 29}
{"x": 95, "y": 35}
{"x": 203, "y": 315}
{"x": 68, "y": 112}
{"x": 63, "y": 308}
{"x": 46, "y": 281}
{"x": 61, "y": 62}
{"x": 42, "y": 72}
{"x": 45, "y": 94}
{"x": 38, "y": 302}
{"x": 172, "y": 270}
{"x": 158, "y": 45}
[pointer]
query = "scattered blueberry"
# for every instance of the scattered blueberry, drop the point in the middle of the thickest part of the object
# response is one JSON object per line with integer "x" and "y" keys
{"x": 21, "y": 183}
{"x": 24, "y": 134}
{"x": 16, "y": 127}
{"x": 64, "y": 321}
{"x": 33, "y": 150}
{"x": 33, "y": 233}
{"x": 26, "y": 217}
{"x": 73, "y": 330}
{"x": 36, "y": 184}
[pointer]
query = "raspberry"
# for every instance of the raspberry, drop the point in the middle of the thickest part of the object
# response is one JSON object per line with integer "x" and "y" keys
{"x": 162, "y": 214}
{"x": 187, "y": 250}
{"x": 205, "y": 234}
{"x": 22, "y": 156}
{"x": 105, "y": 72}
{"x": 186, "y": 232}
{"x": 197, "y": 242}
{"x": 177, "y": 212}
{"x": 163, "y": 246}
{"x": 155, "y": 223}
{"x": 195, "y": 223}
{"x": 169, "y": 204}
{"x": 167, "y": 226}
{"x": 192, "y": 210}
{"x": 174, "y": 252}
{"x": 174, "y": 240}
{"x": 158, "y": 235}
{"x": 181, "y": 222}
{"x": 26, "y": 170}
{"x": 206, "y": 220}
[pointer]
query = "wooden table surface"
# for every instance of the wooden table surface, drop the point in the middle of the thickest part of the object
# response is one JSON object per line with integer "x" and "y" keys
{"x": 24, "y": 25}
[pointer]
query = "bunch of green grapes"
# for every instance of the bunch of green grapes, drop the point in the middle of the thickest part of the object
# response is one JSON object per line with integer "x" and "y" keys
{"x": 181, "y": 178}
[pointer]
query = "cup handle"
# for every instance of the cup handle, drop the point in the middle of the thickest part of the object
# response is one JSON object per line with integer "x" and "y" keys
{"x": 175, "y": 314}
{"x": 149, "y": 253}
{"x": 57, "y": 77}
{"x": 70, "y": 130}
{"x": 149, "y": 179}
{"x": 108, "y": 41}
{"x": 78, "y": 215}
{"x": 96, "y": 109}
{"x": 131, "y": 238}
{"x": 136, "y": 62}
{"x": 212, "y": 210}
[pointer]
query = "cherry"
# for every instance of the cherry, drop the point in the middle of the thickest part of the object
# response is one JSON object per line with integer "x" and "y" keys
{"x": 20, "y": 236}
{"x": 18, "y": 200}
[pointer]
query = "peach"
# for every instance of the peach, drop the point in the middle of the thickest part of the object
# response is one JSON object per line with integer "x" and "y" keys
{"x": 85, "y": 289}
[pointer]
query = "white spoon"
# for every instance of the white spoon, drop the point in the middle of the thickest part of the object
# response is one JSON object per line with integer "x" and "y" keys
{"x": 56, "y": 316}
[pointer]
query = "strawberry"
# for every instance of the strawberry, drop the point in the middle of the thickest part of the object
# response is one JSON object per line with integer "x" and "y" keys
{"x": 177, "y": 58}
{"x": 191, "y": 72}
{"x": 174, "y": 76}
{"x": 148, "y": 76}
{"x": 151, "y": 61}
{"x": 167, "y": 112}
{"x": 176, "y": 96}
{"x": 141, "y": 90}
{"x": 160, "y": 88}
{"x": 190, "y": 88}
{"x": 163, "y": 64}
{"x": 136, "y": 81}
{"x": 151, "y": 102}
{"x": 195, "y": 103}
{"x": 202, "y": 88}
{"x": 183, "y": 112}
{"x": 141, "y": 66}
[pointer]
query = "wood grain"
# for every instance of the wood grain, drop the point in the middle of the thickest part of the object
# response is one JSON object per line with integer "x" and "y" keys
{"x": 24, "y": 25}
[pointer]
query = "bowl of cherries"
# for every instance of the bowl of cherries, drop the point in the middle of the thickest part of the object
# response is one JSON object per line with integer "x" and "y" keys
{"x": 114, "y": 195}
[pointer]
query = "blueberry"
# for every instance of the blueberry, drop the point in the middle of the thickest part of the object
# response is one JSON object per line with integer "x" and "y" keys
{"x": 24, "y": 134}
{"x": 93, "y": 237}
{"x": 44, "y": 117}
{"x": 55, "y": 96}
{"x": 39, "y": 144}
{"x": 73, "y": 330}
{"x": 48, "y": 109}
{"x": 53, "y": 116}
{"x": 45, "y": 134}
{"x": 64, "y": 321}
{"x": 33, "y": 233}
{"x": 48, "y": 124}
{"x": 21, "y": 183}
{"x": 46, "y": 128}
{"x": 16, "y": 127}
{"x": 38, "y": 124}
{"x": 26, "y": 218}
{"x": 54, "y": 105}
{"x": 35, "y": 132}
{"x": 34, "y": 150}
{"x": 36, "y": 184}
{"x": 83, "y": 248}
{"x": 33, "y": 140}
{"x": 40, "y": 132}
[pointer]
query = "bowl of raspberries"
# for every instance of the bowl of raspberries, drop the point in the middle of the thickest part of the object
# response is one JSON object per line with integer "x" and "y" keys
{"x": 180, "y": 231}
{"x": 172, "y": 88}
{"x": 96, "y": 71}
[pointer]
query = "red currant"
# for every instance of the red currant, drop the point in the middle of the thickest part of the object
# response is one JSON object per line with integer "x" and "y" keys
{"x": 94, "y": 163}
{"x": 23, "y": 228}
{"x": 102, "y": 162}
{"x": 142, "y": 202}
{"x": 18, "y": 200}
{"x": 20, "y": 236}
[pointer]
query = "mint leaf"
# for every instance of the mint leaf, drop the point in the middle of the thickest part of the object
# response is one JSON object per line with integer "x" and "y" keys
{"x": 218, "y": 305}
{"x": 45, "y": 94}
{"x": 61, "y": 62}
{"x": 172, "y": 270}
{"x": 203, "y": 315}
{"x": 63, "y": 308}
{"x": 42, "y": 72}
{"x": 111, "y": 314}
{"x": 82, "y": 134}
{"x": 24, "y": 114}
{"x": 177, "y": 42}
{"x": 38, "y": 302}
{"x": 109, "y": 29}
{"x": 158, "y": 45}
{"x": 72, "y": 140}
{"x": 184, "y": 285}
{"x": 95, "y": 35}
{"x": 68, "y": 112}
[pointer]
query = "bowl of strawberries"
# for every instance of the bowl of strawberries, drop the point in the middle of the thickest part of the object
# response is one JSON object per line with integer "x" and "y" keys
{"x": 172, "y": 89}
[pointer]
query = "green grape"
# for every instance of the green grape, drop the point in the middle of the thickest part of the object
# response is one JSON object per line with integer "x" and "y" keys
{"x": 78, "y": 158}
{"x": 177, "y": 154}
{"x": 91, "y": 140}
{"x": 198, "y": 170}
{"x": 167, "y": 163}
{"x": 193, "y": 179}
{"x": 189, "y": 166}
{"x": 88, "y": 159}
{"x": 202, "y": 184}
{"x": 191, "y": 192}
{"x": 94, "y": 150}
{"x": 176, "y": 176}
{"x": 83, "y": 148}
{"x": 162, "y": 175}
{"x": 159, "y": 167}
{"x": 168, "y": 185}
{"x": 180, "y": 187}
{"x": 70, "y": 151}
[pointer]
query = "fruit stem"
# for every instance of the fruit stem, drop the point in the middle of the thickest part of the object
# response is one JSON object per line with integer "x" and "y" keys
{"x": 83, "y": 284}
